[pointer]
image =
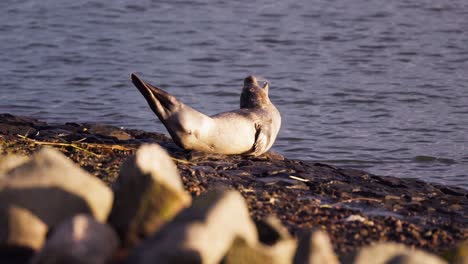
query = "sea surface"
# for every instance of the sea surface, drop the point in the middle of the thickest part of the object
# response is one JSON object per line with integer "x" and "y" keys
{"x": 374, "y": 85}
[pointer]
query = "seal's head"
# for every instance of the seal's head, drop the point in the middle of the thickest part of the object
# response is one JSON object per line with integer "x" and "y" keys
{"x": 253, "y": 95}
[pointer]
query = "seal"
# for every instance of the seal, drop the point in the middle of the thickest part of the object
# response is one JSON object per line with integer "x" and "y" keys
{"x": 250, "y": 130}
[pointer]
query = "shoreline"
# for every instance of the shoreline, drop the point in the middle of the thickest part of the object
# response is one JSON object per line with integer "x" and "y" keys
{"x": 353, "y": 206}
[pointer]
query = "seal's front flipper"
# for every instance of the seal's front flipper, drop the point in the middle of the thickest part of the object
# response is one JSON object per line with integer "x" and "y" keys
{"x": 261, "y": 140}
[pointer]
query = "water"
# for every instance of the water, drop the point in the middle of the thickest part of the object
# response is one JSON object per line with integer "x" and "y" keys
{"x": 375, "y": 85}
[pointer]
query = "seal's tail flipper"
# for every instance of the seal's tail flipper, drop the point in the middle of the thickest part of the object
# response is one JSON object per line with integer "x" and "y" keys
{"x": 161, "y": 102}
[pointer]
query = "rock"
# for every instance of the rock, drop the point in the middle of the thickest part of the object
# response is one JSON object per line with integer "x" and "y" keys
{"x": 26, "y": 131}
{"x": 20, "y": 228}
{"x": 108, "y": 131}
{"x": 148, "y": 193}
{"x": 458, "y": 255}
{"x": 392, "y": 253}
{"x": 18, "y": 125}
{"x": 11, "y": 161}
{"x": 202, "y": 233}
{"x": 48, "y": 188}
{"x": 273, "y": 155}
{"x": 275, "y": 245}
{"x": 79, "y": 240}
{"x": 462, "y": 254}
{"x": 314, "y": 248}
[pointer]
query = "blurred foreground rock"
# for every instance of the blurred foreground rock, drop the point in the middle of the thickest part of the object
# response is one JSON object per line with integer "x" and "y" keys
{"x": 79, "y": 240}
{"x": 148, "y": 193}
{"x": 392, "y": 253}
{"x": 19, "y": 227}
{"x": 9, "y": 162}
{"x": 458, "y": 255}
{"x": 44, "y": 191}
{"x": 202, "y": 233}
{"x": 314, "y": 248}
{"x": 275, "y": 245}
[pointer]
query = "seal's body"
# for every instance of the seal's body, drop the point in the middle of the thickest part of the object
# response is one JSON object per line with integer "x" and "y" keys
{"x": 251, "y": 130}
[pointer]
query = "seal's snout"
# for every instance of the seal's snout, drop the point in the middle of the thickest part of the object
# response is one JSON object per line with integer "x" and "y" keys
{"x": 250, "y": 80}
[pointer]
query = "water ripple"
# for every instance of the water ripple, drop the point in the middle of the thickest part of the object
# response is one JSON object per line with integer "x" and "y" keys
{"x": 359, "y": 84}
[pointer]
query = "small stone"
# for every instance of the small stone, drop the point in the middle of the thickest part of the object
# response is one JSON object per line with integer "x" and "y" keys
{"x": 392, "y": 197}
{"x": 202, "y": 233}
{"x": 273, "y": 155}
{"x": 275, "y": 245}
{"x": 358, "y": 218}
{"x": 108, "y": 131}
{"x": 456, "y": 207}
{"x": 393, "y": 253}
{"x": 51, "y": 188}
{"x": 78, "y": 240}
{"x": 148, "y": 193}
{"x": 315, "y": 248}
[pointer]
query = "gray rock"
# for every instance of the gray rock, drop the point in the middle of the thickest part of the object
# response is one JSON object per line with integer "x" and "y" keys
{"x": 148, "y": 193}
{"x": 315, "y": 248}
{"x": 51, "y": 188}
{"x": 275, "y": 245}
{"x": 393, "y": 253}
{"x": 202, "y": 233}
{"x": 79, "y": 240}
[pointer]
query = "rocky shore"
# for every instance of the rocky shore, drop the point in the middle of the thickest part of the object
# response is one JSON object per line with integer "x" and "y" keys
{"x": 284, "y": 207}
